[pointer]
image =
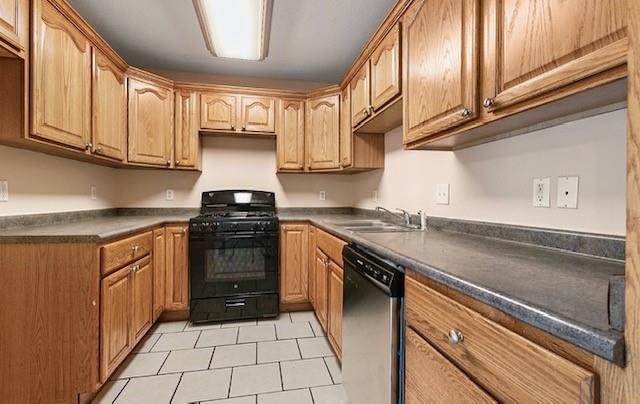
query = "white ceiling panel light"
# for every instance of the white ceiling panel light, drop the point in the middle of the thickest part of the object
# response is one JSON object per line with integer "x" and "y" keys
{"x": 237, "y": 29}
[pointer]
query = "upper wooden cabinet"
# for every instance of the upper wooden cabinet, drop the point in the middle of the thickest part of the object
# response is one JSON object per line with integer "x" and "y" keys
{"x": 187, "y": 136}
{"x": 109, "y": 108}
{"x": 360, "y": 95}
{"x": 14, "y": 14}
{"x": 323, "y": 132}
{"x": 346, "y": 131}
{"x": 290, "y": 137}
{"x": 385, "y": 69}
{"x": 294, "y": 261}
{"x": 61, "y": 79}
{"x": 258, "y": 114}
{"x": 150, "y": 123}
{"x": 440, "y": 59}
{"x": 218, "y": 111}
{"x": 534, "y": 48}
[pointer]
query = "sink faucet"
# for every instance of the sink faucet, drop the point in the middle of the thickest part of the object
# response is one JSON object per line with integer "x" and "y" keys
{"x": 406, "y": 216}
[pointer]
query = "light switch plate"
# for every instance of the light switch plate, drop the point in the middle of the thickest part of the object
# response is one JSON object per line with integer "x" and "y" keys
{"x": 442, "y": 194}
{"x": 4, "y": 191}
{"x": 541, "y": 195}
{"x": 568, "y": 192}
{"x": 170, "y": 194}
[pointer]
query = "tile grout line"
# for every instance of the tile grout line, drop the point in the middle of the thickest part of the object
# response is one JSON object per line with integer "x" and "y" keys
{"x": 326, "y": 365}
{"x": 213, "y": 351}
{"x": 176, "y": 389}
{"x": 163, "y": 362}
{"x": 280, "y": 373}
{"x": 120, "y": 392}
{"x": 313, "y": 401}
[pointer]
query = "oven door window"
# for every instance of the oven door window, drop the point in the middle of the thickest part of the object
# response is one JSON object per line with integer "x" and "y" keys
{"x": 236, "y": 260}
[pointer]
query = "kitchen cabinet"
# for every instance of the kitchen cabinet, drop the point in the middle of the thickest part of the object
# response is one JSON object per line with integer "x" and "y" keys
{"x": 570, "y": 45}
{"x": 187, "y": 137}
{"x": 109, "y": 108}
{"x": 257, "y": 114}
{"x": 116, "y": 254}
{"x": 290, "y": 137}
{"x": 177, "y": 268}
{"x": 431, "y": 378}
{"x": 360, "y": 95}
{"x": 218, "y": 111}
{"x": 159, "y": 271}
{"x": 61, "y": 80}
{"x": 334, "y": 331}
{"x": 323, "y": 132}
{"x": 150, "y": 123}
{"x": 321, "y": 297}
{"x": 311, "y": 257}
{"x": 346, "y": 131}
{"x": 385, "y": 70}
{"x": 142, "y": 300}
{"x": 440, "y": 59}
{"x": 13, "y": 13}
{"x": 294, "y": 260}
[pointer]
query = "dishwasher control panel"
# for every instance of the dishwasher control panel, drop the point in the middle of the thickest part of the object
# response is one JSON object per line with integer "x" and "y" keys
{"x": 379, "y": 274}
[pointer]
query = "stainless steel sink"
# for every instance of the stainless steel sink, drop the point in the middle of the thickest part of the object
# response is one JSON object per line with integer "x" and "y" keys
{"x": 372, "y": 226}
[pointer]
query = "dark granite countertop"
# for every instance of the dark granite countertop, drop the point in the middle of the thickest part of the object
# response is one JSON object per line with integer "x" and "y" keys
{"x": 563, "y": 293}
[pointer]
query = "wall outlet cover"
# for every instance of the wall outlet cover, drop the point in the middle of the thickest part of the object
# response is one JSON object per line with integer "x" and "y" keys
{"x": 541, "y": 194}
{"x": 442, "y": 194}
{"x": 375, "y": 195}
{"x": 94, "y": 192}
{"x": 170, "y": 195}
{"x": 4, "y": 191}
{"x": 323, "y": 195}
{"x": 568, "y": 192}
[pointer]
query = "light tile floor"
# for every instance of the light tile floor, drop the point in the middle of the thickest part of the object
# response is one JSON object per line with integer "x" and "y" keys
{"x": 287, "y": 360}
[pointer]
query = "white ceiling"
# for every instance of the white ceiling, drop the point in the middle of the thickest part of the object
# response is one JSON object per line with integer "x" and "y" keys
{"x": 315, "y": 40}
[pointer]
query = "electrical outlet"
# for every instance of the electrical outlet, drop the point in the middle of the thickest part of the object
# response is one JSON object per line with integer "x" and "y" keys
{"x": 94, "y": 192}
{"x": 541, "y": 196}
{"x": 323, "y": 195}
{"x": 375, "y": 195}
{"x": 4, "y": 191}
{"x": 568, "y": 192}
{"x": 170, "y": 194}
{"x": 442, "y": 194}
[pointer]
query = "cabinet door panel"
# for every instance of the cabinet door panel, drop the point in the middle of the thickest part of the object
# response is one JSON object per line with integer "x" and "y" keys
{"x": 109, "y": 108}
{"x": 159, "y": 272}
{"x": 321, "y": 295}
{"x": 218, "y": 111}
{"x": 142, "y": 291}
{"x": 294, "y": 273}
{"x": 187, "y": 141}
{"x": 440, "y": 54}
{"x": 335, "y": 307}
{"x": 323, "y": 132}
{"x": 431, "y": 378}
{"x": 542, "y": 46}
{"x": 61, "y": 80}
{"x": 10, "y": 20}
{"x": 115, "y": 323}
{"x": 177, "y": 281}
{"x": 291, "y": 135}
{"x": 346, "y": 131}
{"x": 150, "y": 123}
{"x": 312, "y": 265}
{"x": 258, "y": 114}
{"x": 385, "y": 69}
{"x": 360, "y": 95}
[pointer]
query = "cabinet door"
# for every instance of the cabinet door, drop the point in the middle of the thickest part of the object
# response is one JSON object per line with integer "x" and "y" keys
{"x": 61, "y": 86}
{"x": 11, "y": 16}
{"x": 323, "y": 132}
{"x": 290, "y": 137}
{"x": 431, "y": 378}
{"x": 218, "y": 111}
{"x": 335, "y": 307}
{"x": 150, "y": 123}
{"x": 187, "y": 141}
{"x": 321, "y": 295}
{"x": 109, "y": 108}
{"x": 294, "y": 260}
{"x": 346, "y": 131}
{"x": 385, "y": 69}
{"x": 258, "y": 114}
{"x": 159, "y": 272}
{"x": 360, "y": 95}
{"x": 142, "y": 292}
{"x": 177, "y": 281}
{"x": 440, "y": 54}
{"x": 538, "y": 47}
{"x": 312, "y": 265}
{"x": 115, "y": 323}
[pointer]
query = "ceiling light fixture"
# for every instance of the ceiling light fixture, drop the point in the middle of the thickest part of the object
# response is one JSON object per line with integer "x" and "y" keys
{"x": 237, "y": 29}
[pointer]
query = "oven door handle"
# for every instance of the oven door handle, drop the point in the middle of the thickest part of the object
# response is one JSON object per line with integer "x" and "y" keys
{"x": 235, "y": 303}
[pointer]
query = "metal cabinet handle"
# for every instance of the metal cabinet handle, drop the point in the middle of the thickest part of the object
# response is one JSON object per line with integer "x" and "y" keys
{"x": 177, "y": 162}
{"x": 466, "y": 113}
{"x": 244, "y": 128}
{"x": 370, "y": 109}
{"x": 98, "y": 150}
{"x": 455, "y": 336}
{"x": 88, "y": 146}
{"x": 135, "y": 248}
{"x": 488, "y": 103}
{"x": 233, "y": 127}
{"x": 168, "y": 163}
{"x": 300, "y": 165}
{"x": 135, "y": 268}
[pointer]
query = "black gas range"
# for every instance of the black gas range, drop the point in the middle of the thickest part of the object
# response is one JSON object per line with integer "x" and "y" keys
{"x": 233, "y": 257}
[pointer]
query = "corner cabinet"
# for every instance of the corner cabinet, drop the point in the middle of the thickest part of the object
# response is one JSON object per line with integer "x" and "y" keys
{"x": 440, "y": 62}
{"x": 61, "y": 79}
{"x": 187, "y": 137}
{"x": 290, "y": 137}
{"x": 150, "y": 123}
{"x": 294, "y": 270}
{"x": 177, "y": 268}
{"x": 323, "y": 133}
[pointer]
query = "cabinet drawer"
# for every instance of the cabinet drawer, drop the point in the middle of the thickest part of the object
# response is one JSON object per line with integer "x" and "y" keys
{"x": 330, "y": 245}
{"x": 510, "y": 367}
{"x": 119, "y": 253}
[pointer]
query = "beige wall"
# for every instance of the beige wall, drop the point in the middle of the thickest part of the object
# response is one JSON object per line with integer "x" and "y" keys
{"x": 493, "y": 182}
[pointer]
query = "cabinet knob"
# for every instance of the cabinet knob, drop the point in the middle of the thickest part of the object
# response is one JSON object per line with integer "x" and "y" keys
{"x": 177, "y": 162}
{"x": 88, "y": 146}
{"x": 455, "y": 336}
{"x": 300, "y": 165}
{"x": 466, "y": 113}
{"x": 135, "y": 248}
{"x": 168, "y": 163}
{"x": 244, "y": 128}
{"x": 97, "y": 150}
{"x": 370, "y": 109}
{"x": 488, "y": 102}
{"x": 233, "y": 127}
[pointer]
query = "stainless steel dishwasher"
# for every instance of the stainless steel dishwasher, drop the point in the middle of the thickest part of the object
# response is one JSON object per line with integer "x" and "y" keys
{"x": 372, "y": 335}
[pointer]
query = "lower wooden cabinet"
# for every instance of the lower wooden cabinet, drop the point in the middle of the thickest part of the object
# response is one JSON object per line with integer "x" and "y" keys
{"x": 294, "y": 261}
{"x": 312, "y": 265}
{"x": 159, "y": 271}
{"x": 177, "y": 268}
{"x": 321, "y": 295}
{"x": 335, "y": 283}
{"x": 142, "y": 300}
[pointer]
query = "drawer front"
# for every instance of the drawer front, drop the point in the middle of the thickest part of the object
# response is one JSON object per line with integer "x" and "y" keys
{"x": 510, "y": 367}
{"x": 119, "y": 253}
{"x": 330, "y": 245}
